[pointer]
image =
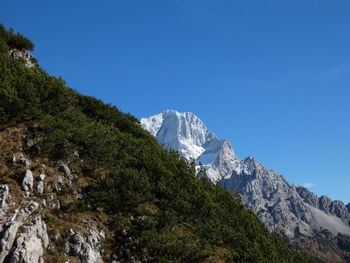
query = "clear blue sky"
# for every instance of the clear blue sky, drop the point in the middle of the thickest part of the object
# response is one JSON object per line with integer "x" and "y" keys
{"x": 271, "y": 76}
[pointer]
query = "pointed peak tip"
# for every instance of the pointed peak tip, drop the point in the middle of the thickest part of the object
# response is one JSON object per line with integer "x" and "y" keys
{"x": 171, "y": 111}
{"x": 179, "y": 114}
{"x": 226, "y": 142}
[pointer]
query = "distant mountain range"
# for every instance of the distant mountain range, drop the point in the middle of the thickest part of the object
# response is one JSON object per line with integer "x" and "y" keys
{"x": 291, "y": 210}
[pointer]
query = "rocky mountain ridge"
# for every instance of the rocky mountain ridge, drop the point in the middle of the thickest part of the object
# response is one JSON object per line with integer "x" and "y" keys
{"x": 281, "y": 206}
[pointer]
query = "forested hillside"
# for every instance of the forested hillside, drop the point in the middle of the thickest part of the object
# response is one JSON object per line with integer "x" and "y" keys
{"x": 148, "y": 200}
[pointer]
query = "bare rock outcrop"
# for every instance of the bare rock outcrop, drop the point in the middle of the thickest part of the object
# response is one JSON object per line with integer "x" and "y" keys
{"x": 23, "y": 234}
{"x": 20, "y": 158}
{"x": 28, "y": 181}
{"x": 10, "y": 226}
{"x": 31, "y": 244}
{"x": 86, "y": 248}
{"x": 24, "y": 55}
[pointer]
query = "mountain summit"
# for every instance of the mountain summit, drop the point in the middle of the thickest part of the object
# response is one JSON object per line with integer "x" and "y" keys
{"x": 281, "y": 206}
{"x": 184, "y": 132}
{"x": 187, "y": 134}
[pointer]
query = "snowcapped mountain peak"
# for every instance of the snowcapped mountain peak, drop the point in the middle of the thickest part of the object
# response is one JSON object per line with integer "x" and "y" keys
{"x": 187, "y": 134}
{"x": 184, "y": 132}
{"x": 155, "y": 122}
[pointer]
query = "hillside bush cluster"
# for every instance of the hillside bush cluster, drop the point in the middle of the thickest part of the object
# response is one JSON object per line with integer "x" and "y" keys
{"x": 10, "y": 39}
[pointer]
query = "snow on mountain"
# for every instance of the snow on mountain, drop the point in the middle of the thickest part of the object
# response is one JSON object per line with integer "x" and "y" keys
{"x": 187, "y": 134}
{"x": 184, "y": 132}
{"x": 280, "y": 206}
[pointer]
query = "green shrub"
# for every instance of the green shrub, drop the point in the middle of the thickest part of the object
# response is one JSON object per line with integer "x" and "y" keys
{"x": 49, "y": 218}
{"x": 3, "y": 46}
{"x": 15, "y": 40}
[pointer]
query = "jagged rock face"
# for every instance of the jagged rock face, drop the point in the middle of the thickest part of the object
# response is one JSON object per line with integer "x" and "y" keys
{"x": 30, "y": 244}
{"x": 184, "y": 132}
{"x": 339, "y": 209}
{"x": 280, "y": 206}
{"x": 87, "y": 249}
{"x": 270, "y": 197}
{"x": 324, "y": 203}
{"x": 308, "y": 196}
{"x": 8, "y": 231}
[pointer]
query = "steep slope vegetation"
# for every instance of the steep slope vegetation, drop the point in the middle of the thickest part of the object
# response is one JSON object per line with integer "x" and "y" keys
{"x": 147, "y": 200}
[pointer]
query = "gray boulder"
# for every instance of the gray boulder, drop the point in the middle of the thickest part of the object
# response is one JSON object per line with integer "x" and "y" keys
{"x": 63, "y": 167}
{"x": 27, "y": 183}
{"x": 40, "y": 188}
